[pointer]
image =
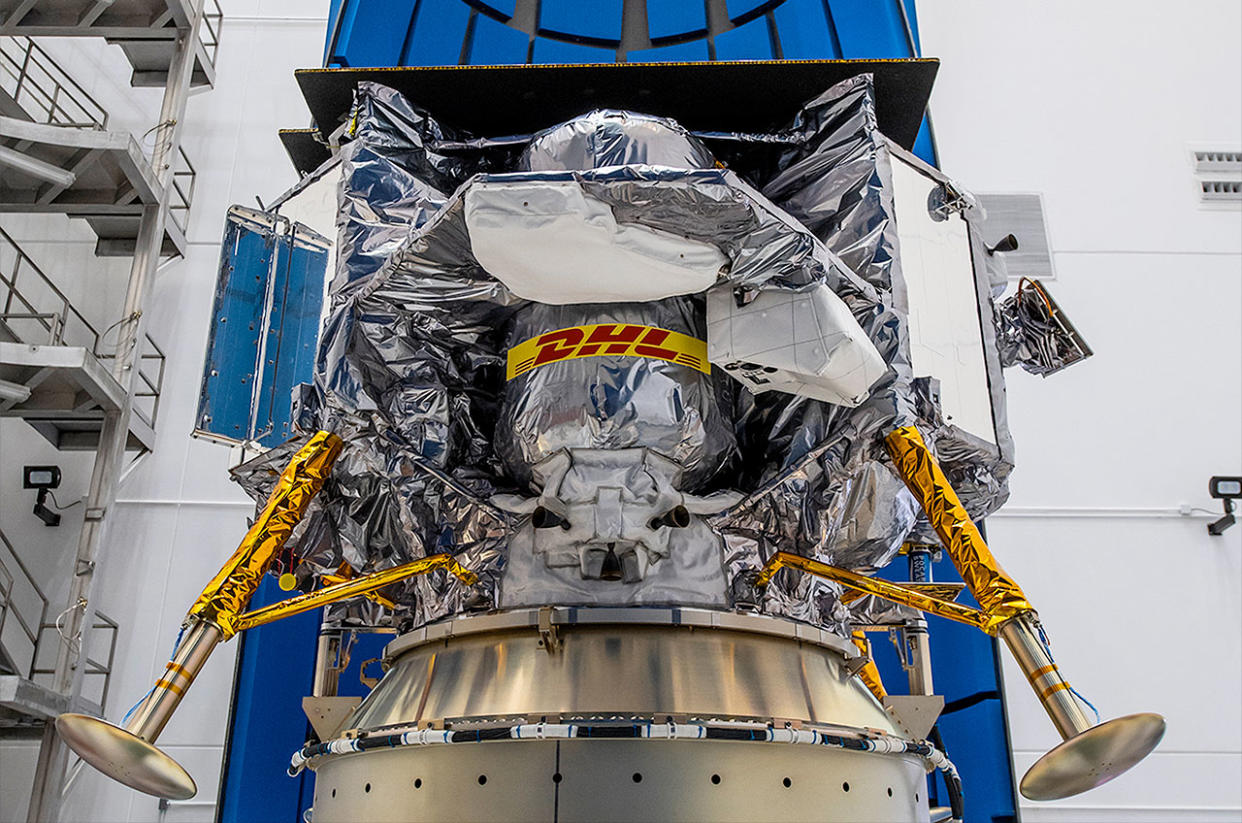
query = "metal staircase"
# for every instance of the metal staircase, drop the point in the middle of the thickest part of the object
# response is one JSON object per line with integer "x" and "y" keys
{"x": 81, "y": 383}
{"x": 26, "y": 701}
{"x": 55, "y": 365}
{"x": 58, "y": 156}
{"x": 146, "y": 30}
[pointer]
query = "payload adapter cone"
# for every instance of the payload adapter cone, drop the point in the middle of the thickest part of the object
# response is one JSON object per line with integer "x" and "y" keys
{"x": 615, "y": 422}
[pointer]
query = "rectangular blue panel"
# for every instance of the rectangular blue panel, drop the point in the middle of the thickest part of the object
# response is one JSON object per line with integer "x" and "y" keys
{"x": 554, "y": 51}
{"x": 275, "y": 669}
{"x": 671, "y": 18}
{"x": 227, "y": 392}
{"x": 805, "y": 31}
{"x": 292, "y": 333}
{"x": 870, "y": 28}
{"x": 264, "y": 329}
{"x": 588, "y": 19}
{"x": 439, "y": 31}
{"x": 495, "y": 43}
{"x": 750, "y": 41}
{"x": 695, "y": 50}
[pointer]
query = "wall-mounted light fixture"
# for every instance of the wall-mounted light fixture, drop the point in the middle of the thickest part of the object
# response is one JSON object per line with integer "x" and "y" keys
{"x": 43, "y": 478}
{"x": 1226, "y": 490}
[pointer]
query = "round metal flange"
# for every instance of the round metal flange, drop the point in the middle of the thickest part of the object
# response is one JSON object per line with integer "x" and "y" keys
{"x": 1093, "y": 758}
{"x": 125, "y": 757}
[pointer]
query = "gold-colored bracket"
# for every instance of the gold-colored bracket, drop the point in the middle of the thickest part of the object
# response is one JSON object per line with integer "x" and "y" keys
{"x": 867, "y": 672}
{"x": 354, "y": 588}
{"x": 903, "y": 595}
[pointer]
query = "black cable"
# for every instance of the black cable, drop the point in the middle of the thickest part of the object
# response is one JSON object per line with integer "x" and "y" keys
{"x": 56, "y": 503}
{"x": 968, "y": 701}
{"x": 951, "y": 781}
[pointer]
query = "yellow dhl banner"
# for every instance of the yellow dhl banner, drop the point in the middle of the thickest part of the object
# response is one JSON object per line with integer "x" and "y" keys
{"x": 613, "y": 339}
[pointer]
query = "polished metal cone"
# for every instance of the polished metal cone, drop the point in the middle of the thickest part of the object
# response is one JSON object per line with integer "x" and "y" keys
{"x": 1093, "y": 757}
{"x": 125, "y": 757}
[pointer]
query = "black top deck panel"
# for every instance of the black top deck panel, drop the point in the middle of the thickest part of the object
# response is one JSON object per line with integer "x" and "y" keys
{"x": 494, "y": 101}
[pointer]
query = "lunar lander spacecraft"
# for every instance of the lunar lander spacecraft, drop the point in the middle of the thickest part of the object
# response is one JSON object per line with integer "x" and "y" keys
{"x": 613, "y": 421}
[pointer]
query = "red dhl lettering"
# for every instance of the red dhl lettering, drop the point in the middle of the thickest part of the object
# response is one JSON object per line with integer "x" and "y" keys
{"x": 615, "y": 339}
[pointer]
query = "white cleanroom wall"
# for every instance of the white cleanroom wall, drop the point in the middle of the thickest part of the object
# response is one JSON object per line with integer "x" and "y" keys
{"x": 1097, "y": 106}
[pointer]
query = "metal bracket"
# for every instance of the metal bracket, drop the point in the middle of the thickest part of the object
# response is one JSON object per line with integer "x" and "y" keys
{"x": 853, "y": 665}
{"x": 549, "y": 635}
{"x": 95, "y": 514}
{"x": 369, "y": 682}
{"x": 84, "y": 567}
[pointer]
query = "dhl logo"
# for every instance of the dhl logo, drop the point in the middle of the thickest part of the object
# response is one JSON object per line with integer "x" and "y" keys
{"x": 615, "y": 339}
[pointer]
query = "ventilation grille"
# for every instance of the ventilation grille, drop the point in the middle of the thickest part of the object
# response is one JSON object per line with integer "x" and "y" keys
{"x": 1217, "y": 162}
{"x": 1218, "y": 175}
{"x": 1023, "y": 216}
{"x": 1221, "y": 191}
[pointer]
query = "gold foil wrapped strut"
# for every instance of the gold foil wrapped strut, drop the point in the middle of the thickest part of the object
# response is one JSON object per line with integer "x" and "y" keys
{"x": 352, "y": 588}
{"x": 873, "y": 585}
{"x": 869, "y": 674}
{"x": 999, "y": 596}
{"x": 229, "y": 592}
{"x": 940, "y": 591}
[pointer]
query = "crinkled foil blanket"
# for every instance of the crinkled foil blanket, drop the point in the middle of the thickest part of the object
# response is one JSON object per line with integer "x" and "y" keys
{"x": 411, "y": 361}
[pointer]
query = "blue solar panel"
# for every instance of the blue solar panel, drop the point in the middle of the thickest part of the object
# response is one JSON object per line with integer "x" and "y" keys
{"x": 594, "y": 19}
{"x": 265, "y": 327}
{"x": 680, "y": 53}
{"x": 292, "y": 334}
{"x": 670, "y": 18}
{"x": 555, "y": 51}
{"x": 227, "y": 391}
{"x": 438, "y": 34}
{"x": 750, "y": 41}
{"x": 495, "y": 43}
{"x": 802, "y": 26}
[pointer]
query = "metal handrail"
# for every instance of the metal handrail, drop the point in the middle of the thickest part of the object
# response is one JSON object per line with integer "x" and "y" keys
{"x": 209, "y": 32}
{"x": 17, "y": 307}
{"x": 26, "y": 623}
{"x": 93, "y": 667}
{"x": 151, "y": 385}
{"x": 43, "y": 89}
{"x": 55, "y": 319}
{"x": 184, "y": 177}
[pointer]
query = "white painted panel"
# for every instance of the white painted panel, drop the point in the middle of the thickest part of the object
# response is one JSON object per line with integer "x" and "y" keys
{"x": 945, "y": 338}
{"x": 1093, "y": 104}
